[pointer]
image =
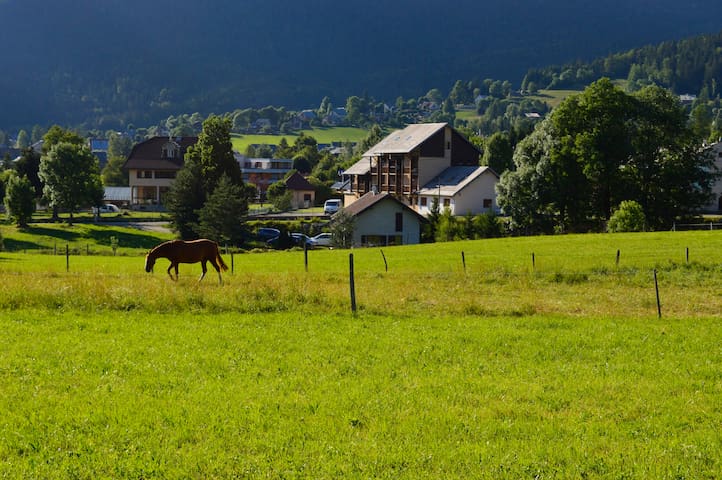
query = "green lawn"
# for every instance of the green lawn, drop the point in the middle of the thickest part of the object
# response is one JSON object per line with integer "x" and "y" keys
{"x": 322, "y": 135}
{"x": 502, "y": 370}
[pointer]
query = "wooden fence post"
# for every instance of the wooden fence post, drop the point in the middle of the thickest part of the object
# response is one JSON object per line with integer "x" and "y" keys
{"x": 656, "y": 290}
{"x": 351, "y": 283}
{"x": 386, "y": 265}
{"x": 305, "y": 256}
{"x": 67, "y": 257}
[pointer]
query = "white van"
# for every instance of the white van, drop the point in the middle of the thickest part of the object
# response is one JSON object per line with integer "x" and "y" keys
{"x": 107, "y": 208}
{"x": 332, "y": 206}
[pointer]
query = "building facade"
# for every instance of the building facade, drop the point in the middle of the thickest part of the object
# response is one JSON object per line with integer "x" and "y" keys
{"x": 404, "y": 162}
{"x": 152, "y": 167}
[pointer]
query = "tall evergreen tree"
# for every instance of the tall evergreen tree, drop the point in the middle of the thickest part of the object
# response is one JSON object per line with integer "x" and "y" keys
{"x": 185, "y": 199}
{"x": 221, "y": 216}
{"x": 206, "y": 162}
{"x": 214, "y": 154}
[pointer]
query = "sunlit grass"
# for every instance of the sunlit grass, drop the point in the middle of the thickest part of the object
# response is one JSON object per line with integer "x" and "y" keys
{"x": 502, "y": 369}
{"x": 322, "y": 135}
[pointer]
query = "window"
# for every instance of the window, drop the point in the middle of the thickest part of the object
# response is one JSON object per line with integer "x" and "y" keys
{"x": 165, "y": 174}
{"x": 447, "y": 202}
{"x": 145, "y": 174}
{"x": 487, "y": 203}
{"x": 423, "y": 201}
{"x": 399, "y": 222}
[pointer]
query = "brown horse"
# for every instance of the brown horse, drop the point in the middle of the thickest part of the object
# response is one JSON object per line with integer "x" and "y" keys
{"x": 179, "y": 251}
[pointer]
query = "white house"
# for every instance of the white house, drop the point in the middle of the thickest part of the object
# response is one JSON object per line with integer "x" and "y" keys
{"x": 462, "y": 190}
{"x": 381, "y": 219}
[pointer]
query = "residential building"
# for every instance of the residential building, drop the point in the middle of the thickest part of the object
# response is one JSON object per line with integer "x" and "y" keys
{"x": 462, "y": 190}
{"x": 152, "y": 166}
{"x": 262, "y": 172}
{"x": 381, "y": 219}
{"x": 407, "y": 160}
{"x": 303, "y": 194}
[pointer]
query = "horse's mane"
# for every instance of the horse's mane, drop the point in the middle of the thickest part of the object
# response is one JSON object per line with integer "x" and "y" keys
{"x": 162, "y": 246}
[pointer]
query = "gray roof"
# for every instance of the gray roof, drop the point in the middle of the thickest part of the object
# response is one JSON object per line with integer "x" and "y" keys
{"x": 452, "y": 180}
{"x": 406, "y": 140}
{"x": 370, "y": 199}
{"x": 361, "y": 167}
{"x": 117, "y": 194}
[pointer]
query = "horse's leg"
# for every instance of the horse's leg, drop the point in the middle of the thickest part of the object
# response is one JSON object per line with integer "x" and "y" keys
{"x": 203, "y": 265}
{"x": 218, "y": 269}
{"x": 172, "y": 266}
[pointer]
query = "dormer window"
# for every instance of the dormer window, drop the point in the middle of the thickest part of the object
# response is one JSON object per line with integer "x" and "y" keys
{"x": 170, "y": 150}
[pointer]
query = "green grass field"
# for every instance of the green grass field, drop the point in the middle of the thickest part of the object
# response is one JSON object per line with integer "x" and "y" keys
{"x": 504, "y": 369}
{"x": 322, "y": 135}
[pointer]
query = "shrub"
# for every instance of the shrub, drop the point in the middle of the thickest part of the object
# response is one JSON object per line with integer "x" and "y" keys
{"x": 628, "y": 217}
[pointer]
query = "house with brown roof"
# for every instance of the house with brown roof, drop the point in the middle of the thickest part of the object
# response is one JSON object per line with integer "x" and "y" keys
{"x": 303, "y": 195}
{"x": 406, "y": 160}
{"x": 152, "y": 166}
{"x": 381, "y": 219}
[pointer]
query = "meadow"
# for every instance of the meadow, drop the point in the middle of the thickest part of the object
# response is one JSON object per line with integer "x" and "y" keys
{"x": 322, "y": 135}
{"x": 481, "y": 366}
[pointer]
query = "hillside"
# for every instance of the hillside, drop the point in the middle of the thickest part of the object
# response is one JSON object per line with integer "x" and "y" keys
{"x": 116, "y": 62}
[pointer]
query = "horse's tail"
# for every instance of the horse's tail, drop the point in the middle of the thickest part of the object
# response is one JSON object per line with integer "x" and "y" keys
{"x": 220, "y": 261}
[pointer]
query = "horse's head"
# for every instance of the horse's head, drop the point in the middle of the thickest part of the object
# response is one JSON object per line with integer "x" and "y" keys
{"x": 149, "y": 262}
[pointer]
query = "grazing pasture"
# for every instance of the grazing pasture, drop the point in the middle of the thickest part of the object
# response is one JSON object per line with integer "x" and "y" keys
{"x": 501, "y": 369}
{"x": 324, "y": 135}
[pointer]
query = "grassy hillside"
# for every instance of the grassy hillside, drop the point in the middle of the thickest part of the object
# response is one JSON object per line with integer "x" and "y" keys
{"x": 322, "y": 135}
{"x": 554, "y": 97}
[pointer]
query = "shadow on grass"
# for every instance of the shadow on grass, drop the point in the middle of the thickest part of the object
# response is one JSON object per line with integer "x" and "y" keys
{"x": 57, "y": 233}
{"x": 50, "y": 238}
{"x": 11, "y": 245}
{"x": 146, "y": 240}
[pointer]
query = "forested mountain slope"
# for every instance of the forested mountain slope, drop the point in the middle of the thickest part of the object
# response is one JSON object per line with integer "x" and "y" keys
{"x": 113, "y": 62}
{"x": 686, "y": 66}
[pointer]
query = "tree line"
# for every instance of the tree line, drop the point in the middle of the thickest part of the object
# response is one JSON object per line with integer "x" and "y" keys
{"x": 603, "y": 147}
{"x": 65, "y": 175}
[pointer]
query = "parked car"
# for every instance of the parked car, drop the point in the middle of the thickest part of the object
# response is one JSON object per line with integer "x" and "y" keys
{"x": 301, "y": 238}
{"x": 264, "y": 233}
{"x": 332, "y": 206}
{"x": 107, "y": 208}
{"x": 322, "y": 240}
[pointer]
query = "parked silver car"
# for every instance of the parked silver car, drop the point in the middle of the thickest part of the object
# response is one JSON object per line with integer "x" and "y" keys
{"x": 322, "y": 240}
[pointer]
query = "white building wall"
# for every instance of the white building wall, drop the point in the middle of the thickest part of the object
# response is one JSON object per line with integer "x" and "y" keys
{"x": 429, "y": 167}
{"x": 381, "y": 220}
{"x": 471, "y": 198}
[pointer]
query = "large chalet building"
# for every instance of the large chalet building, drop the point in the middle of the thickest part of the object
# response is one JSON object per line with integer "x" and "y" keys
{"x": 414, "y": 163}
{"x": 152, "y": 167}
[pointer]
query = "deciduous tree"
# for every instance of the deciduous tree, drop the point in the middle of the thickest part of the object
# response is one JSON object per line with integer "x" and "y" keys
{"x": 19, "y": 200}
{"x": 71, "y": 177}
